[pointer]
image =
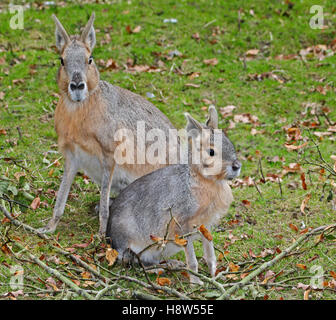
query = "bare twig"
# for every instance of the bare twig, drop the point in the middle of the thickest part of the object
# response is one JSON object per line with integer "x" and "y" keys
{"x": 54, "y": 272}
{"x": 270, "y": 263}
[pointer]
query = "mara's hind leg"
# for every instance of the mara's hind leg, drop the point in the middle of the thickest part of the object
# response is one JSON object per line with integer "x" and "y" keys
{"x": 120, "y": 181}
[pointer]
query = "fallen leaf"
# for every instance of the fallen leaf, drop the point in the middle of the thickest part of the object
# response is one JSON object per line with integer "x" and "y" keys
{"x": 205, "y": 232}
{"x": 137, "y": 29}
{"x": 304, "y": 203}
{"x": 291, "y": 147}
{"x": 246, "y": 203}
{"x": 333, "y": 274}
{"x": 185, "y": 274}
{"x": 111, "y": 256}
{"x": 302, "y": 286}
{"x": 18, "y": 175}
{"x": 301, "y": 266}
{"x": 294, "y": 227}
{"x": 163, "y": 281}
{"x": 303, "y": 180}
{"x": 211, "y": 62}
{"x": 35, "y": 203}
{"x": 250, "y": 54}
{"x": 226, "y": 111}
{"x": 86, "y": 275}
{"x": 194, "y": 75}
{"x": 233, "y": 267}
{"x": 193, "y": 85}
{"x": 196, "y": 36}
{"x": 156, "y": 239}
{"x": 51, "y": 282}
{"x": 180, "y": 242}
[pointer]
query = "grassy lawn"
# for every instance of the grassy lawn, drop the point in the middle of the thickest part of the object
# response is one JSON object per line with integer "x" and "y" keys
{"x": 266, "y": 61}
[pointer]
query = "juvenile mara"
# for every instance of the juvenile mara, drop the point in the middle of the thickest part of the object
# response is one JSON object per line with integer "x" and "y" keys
{"x": 193, "y": 194}
{"x": 88, "y": 115}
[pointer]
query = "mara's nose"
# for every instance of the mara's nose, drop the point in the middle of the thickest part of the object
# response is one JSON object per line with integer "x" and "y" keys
{"x": 236, "y": 165}
{"x": 77, "y": 85}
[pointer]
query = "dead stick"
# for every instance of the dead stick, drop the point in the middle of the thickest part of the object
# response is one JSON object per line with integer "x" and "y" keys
{"x": 43, "y": 236}
{"x": 269, "y": 264}
{"x": 55, "y": 273}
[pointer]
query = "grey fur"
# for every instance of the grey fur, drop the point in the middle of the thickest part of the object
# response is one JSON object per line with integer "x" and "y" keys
{"x": 124, "y": 109}
{"x": 146, "y": 206}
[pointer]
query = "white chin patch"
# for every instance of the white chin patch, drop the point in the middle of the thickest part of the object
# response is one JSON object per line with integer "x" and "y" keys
{"x": 78, "y": 95}
{"x": 231, "y": 174}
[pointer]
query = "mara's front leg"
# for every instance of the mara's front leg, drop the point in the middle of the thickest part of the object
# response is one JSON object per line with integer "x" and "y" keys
{"x": 209, "y": 255}
{"x": 192, "y": 263}
{"x": 106, "y": 182}
{"x": 70, "y": 170}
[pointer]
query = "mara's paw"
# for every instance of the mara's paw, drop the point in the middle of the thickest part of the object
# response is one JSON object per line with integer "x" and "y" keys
{"x": 46, "y": 229}
{"x": 195, "y": 280}
{"x": 175, "y": 264}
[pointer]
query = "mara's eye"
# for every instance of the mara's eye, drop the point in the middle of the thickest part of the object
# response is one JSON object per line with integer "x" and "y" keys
{"x": 211, "y": 152}
{"x": 90, "y": 59}
{"x": 62, "y": 61}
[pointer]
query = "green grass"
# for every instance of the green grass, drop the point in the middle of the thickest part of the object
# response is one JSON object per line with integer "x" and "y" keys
{"x": 270, "y": 26}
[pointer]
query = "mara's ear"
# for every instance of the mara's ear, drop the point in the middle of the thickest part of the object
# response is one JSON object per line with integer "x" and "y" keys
{"x": 62, "y": 36}
{"x": 89, "y": 35}
{"x": 212, "y": 121}
{"x": 194, "y": 128}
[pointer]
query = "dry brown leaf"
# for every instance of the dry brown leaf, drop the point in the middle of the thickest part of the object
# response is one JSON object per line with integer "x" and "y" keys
{"x": 156, "y": 239}
{"x": 77, "y": 282}
{"x": 86, "y": 275}
{"x": 294, "y": 227}
{"x": 194, "y": 75}
{"x": 246, "y": 203}
{"x": 192, "y": 85}
{"x": 303, "y": 180}
{"x": 137, "y": 29}
{"x": 302, "y": 286}
{"x": 211, "y": 62}
{"x": 250, "y": 54}
{"x": 301, "y": 266}
{"x": 196, "y": 36}
{"x": 180, "y": 242}
{"x": 333, "y": 274}
{"x": 246, "y": 118}
{"x": 226, "y": 111}
{"x": 35, "y": 203}
{"x": 51, "y": 282}
{"x": 291, "y": 147}
{"x": 206, "y": 233}
{"x": 111, "y": 256}
{"x": 18, "y": 175}
{"x": 163, "y": 281}
{"x": 233, "y": 267}
{"x": 304, "y": 203}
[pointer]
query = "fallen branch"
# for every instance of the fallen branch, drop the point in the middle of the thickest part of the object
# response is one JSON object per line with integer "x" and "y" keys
{"x": 270, "y": 263}
{"x": 74, "y": 258}
{"x": 54, "y": 272}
